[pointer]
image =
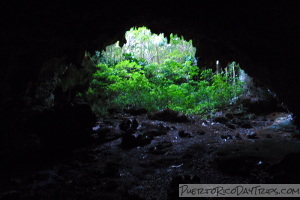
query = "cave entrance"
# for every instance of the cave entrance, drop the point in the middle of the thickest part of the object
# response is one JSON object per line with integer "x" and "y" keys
{"x": 159, "y": 76}
{"x": 152, "y": 72}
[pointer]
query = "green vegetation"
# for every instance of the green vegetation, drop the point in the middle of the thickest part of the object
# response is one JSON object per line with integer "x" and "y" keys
{"x": 150, "y": 72}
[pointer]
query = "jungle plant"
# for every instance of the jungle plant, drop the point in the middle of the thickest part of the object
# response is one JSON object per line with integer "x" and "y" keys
{"x": 152, "y": 73}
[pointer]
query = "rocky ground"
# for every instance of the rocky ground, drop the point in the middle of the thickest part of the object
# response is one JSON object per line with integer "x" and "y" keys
{"x": 146, "y": 156}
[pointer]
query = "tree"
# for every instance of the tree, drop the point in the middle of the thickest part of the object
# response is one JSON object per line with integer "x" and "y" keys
{"x": 150, "y": 72}
{"x": 153, "y": 48}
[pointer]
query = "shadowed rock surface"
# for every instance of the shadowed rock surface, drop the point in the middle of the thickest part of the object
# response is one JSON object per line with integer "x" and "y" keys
{"x": 50, "y": 146}
{"x": 150, "y": 161}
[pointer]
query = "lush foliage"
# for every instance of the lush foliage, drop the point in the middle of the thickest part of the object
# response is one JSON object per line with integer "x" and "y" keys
{"x": 145, "y": 47}
{"x": 151, "y": 73}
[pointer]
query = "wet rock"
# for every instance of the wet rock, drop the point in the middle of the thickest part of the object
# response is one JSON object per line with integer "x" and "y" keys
{"x": 136, "y": 111}
{"x": 131, "y": 141}
{"x": 143, "y": 140}
{"x": 252, "y": 135}
{"x": 181, "y": 118}
{"x": 236, "y": 121}
{"x": 96, "y": 128}
{"x": 125, "y": 125}
{"x": 160, "y": 148}
{"x": 134, "y": 124}
{"x": 249, "y": 116}
{"x": 268, "y": 136}
{"x": 154, "y": 129}
{"x": 130, "y": 131}
{"x": 128, "y": 141}
{"x": 246, "y": 124}
{"x": 223, "y": 137}
{"x": 226, "y": 137}
{"x": 128, "y": 124}
{"x": 229, "y": 115}
{"x": 155, "y": 126}
{"x": 283, "y": 123}
{"x": 229, "y": 125}
{"x": 155, "y": 132}
{"x": 184, "y": 134}
{"x": 201, "y": 132}
{"x": 107, "y": 134}
{"x": 221, "y": 119}
{"x": 266, "y": 104}
{"x": 242, "y": 123}
{"x": 102, "y": 131}
{"x": 169, "y": 115}
{"x": 108, "y": 122}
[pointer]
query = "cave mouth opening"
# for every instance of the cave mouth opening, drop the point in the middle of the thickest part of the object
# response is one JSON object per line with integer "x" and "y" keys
{"x": 250, "y": 143}
{"x": 243, "y": 130}
{"x": 151, "y": 72}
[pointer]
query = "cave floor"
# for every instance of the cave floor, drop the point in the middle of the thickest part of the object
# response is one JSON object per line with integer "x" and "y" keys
{"x": 209, "y": 152}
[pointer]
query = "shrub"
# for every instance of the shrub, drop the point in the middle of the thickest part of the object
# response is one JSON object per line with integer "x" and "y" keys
{"x": 171, "y": 80}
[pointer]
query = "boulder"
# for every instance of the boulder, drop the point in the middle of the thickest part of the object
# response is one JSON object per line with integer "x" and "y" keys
{"x": 201, "y": 132}
{"x": 130, "y": 141}
{"x": 252, "y": 135}
{"x": 136, "y": 111}
{"x": 129, "y": 124}
{"x": 241, "y": 123}
{"x": 107, "y": 134}
{"x": 184, "y": 134}
{"x": 169, "y": 115}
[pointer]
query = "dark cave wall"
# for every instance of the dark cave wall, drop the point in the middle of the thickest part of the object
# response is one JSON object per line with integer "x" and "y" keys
{"x": 261, "y": 36}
